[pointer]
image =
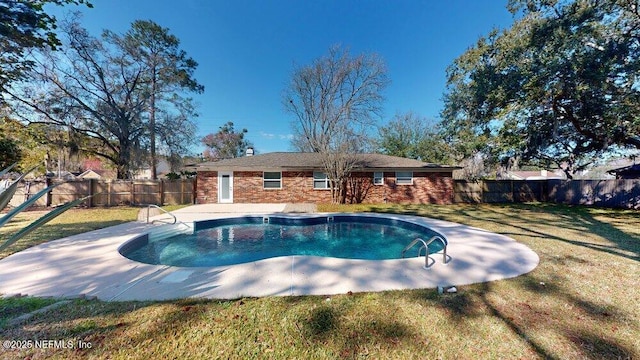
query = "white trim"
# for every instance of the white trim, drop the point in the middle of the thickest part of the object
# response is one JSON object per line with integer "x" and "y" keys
{"x": 264, "y": 181}
{"x": 221, "y": 175}
{"x": 402, "y": 180}
{"x": 380, "y": 177}
{"x": 327, "y": 184}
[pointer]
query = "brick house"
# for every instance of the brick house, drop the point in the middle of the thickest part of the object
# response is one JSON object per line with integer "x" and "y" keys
{"x": 289, "y": 177}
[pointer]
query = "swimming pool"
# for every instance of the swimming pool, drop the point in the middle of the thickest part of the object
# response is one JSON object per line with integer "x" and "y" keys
{"x": 252, "y": 238}
{"x": 93, "y": 265}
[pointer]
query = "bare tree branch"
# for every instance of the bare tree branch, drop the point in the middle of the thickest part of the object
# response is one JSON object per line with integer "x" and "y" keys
{"x": 334, "y": 102}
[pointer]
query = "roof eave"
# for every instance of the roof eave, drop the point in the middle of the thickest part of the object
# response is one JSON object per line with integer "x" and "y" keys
{"x": 319, "y": 168}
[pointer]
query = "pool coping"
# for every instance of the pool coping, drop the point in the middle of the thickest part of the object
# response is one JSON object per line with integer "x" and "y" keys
{"x": 89, "y": 264}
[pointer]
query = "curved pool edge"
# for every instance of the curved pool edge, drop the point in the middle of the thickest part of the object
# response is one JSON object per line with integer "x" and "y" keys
{"x": 56, "y": 269}
{"x": 134, "y": 244}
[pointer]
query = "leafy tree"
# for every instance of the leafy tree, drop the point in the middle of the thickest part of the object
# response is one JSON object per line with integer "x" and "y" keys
{"x": 559, "y": 86}
{"x": 334, "y": 102}
{"x": 25, "y": 26}
{"x": 168, "y": 71}
{"x": 88, "y": 89}
{"x": 58, "y": 147}
{"x": 10, "y": 153}
{"x": 410, "y": 136}
{"x": 30, "y": 148}
{"x": 226, "y": 143}
{"x": 98, "y": 90}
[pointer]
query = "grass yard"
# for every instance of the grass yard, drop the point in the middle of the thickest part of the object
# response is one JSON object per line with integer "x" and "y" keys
{"x": 71, "y": 222}
{"x": 582, "y": 302}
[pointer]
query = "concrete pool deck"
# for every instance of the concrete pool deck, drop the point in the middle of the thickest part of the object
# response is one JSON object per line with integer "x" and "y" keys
{"x": 89, "y": 264}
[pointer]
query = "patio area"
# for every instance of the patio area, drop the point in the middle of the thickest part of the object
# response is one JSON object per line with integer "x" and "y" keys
{"x": 90, "y": 264}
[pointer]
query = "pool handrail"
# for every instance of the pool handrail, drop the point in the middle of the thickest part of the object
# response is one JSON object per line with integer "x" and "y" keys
{"x": 149, "y": 206}
{"x": 425, "y": 245}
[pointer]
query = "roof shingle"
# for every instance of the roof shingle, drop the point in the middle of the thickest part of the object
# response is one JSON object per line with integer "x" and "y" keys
{"x": 299, "y": 161}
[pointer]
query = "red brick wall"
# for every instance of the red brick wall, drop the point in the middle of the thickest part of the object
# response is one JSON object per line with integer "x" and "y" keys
{"x": 207, "y": 187}
{"x": 297, "y": 187}
{"x": 427, "y": 188}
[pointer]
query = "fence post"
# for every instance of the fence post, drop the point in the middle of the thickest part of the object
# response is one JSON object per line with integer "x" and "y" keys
{"x": 181, "y": 191}
{"x": 48, "y": 198}
{"x": 91, "y": 184}
{"x": 513, "y": 195}
{"x": 161, "y": 189}
{"x": 109, "y": 192}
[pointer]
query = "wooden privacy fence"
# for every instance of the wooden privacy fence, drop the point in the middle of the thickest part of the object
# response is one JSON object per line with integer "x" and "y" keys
{"x": 500, "y": 191}
{"x": 606, "y": 193}
{"x": 110, "y": 192}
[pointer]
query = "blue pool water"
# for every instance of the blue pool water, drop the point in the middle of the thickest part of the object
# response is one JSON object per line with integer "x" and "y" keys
{"x": 236, "y": 241}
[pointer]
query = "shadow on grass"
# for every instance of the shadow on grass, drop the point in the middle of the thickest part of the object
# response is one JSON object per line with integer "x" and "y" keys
{"x": 49, "y": 325}
{"x": 597, "y": 347}
{"x": 521, "y": 318}
{"x": 474, "y": 303}
{"x": 102, "y": 324}
{"x": 351, "y": 334}
{"x": 583, "y": 219}
{"x": 577, "y": 218}
{"x": 590, "y": 344}
{"x": 13, "y": 307}
{"x": 588, "y": 339}
{"x": 337, "y": 325}
{"x": 513, "y": 326}
{"x": 322, "y": 321}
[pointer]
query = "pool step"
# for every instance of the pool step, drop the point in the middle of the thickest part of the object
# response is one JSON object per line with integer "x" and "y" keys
{"x": 169, "y": 230}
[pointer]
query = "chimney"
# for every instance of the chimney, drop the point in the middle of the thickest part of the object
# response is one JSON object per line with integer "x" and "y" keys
{"x": 249, "y": 151}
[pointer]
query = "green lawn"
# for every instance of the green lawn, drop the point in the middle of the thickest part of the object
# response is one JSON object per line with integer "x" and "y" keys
{"x": 71, "y": 222}
{"x": 582, "y": 302}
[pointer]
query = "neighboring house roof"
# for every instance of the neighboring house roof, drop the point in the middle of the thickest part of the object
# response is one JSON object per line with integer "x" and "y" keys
{"x": 532, "y": 175}
{"x": 313, "y": 161}
{"x": 98, "y": 174}
{"x": 66, "y": 175}
{"x": 162, "y": 167}
{"x": 627, "y": 171}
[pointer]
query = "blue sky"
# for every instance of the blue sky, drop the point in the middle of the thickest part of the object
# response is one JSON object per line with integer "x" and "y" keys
{"x": 247, "y": 50}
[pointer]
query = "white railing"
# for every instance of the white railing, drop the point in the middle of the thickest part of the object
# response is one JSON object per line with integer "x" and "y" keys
{"x": 425, "y": 245}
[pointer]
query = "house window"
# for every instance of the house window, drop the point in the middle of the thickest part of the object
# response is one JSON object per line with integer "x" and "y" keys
{"x": 378, "y": 178}
{"x": 272, "y": 180}
{"x": 320, "y": 180}
{"x": 404, "y": 177}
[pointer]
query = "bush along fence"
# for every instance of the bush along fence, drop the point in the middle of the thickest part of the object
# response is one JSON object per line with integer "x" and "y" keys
{"x": 604, "y": 193}
{"x": 105, "y": 193}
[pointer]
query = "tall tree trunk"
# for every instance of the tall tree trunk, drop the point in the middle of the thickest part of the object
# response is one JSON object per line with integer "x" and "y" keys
{"x": 123, "y": 164}
{"x": 152, "y": 127}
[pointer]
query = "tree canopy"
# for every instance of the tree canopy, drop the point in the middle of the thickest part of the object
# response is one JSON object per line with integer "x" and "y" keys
{"x": 168, "y": 72}
{"x": 560, "y": 86}
{"x": 10, "y": 152}
{"x": 411, "y": 136}
{"x": 226, "y": 143}
{"x": 95, "y": 88}
{"x": 24, "y": 26}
